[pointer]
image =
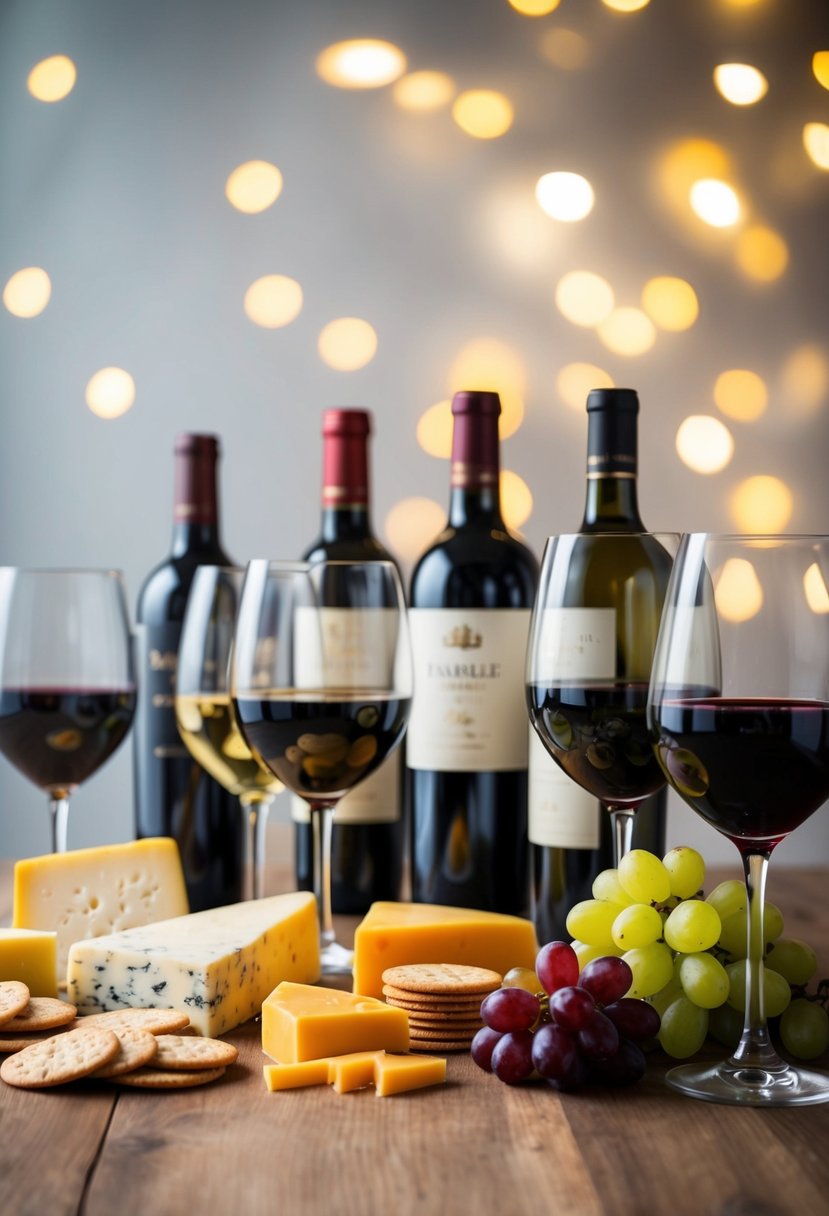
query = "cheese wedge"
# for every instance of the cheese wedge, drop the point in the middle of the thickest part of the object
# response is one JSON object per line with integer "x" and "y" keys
{"x": 394, "y": 934}
{"x": 399, "y": 1074}
{"x": 218, "y": 966}
{"x": 30, "y": 955}
{"x": 304, "y": 1023}
{"x": 89, "y": 892}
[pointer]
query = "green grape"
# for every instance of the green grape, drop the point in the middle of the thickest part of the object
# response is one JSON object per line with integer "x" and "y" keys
{"x": 692, "y": 926}
{"x": 793, "y": 959}
{"x": 776, "y": 990}
{"x": 666, "y": 996}
{"x": 522, "y": 977}
{"x": 606, "y": 885}
{"x": 734, "y": 935}
{"x": 726, "y": 1025}
{"x": 644, "y": 877}
{"x": 804, "y": 1029}
{"x": 652, "y": 967}
{"x": 686, "y": 868}
{"x": 637, "y": 925}
{"x": 585, "y": 954}
{"x": 729, "y": 897}
{"x": 591, "y": 921}
{"x": 772, "y": 922}
{"x": 684, "y": 1027}
{"x": 704, "y": 980}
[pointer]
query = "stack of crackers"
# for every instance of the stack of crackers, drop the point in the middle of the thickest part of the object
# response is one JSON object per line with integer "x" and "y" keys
{"x": 45, "y": 1044}
{"x": 443, "y": 1001}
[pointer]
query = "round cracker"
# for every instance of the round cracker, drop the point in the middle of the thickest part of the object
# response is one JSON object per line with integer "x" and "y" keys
{"x": 138, "y": 1047}
{"x": 9, "y": 1043}
{"x": 41, "y": 1013}
{"x": 178, "y": 1052}
{"x": 14, "y": 997}
{"x": 432, "y": 1045}
{"x": 405, "y": 1001}
{"x": 156, "y": 1021}
{"x": 60, "y": 1058}
{"x": 442, "y": 978}
{"x": 444, "y": 1024}
{"x": 156, "y": 1078}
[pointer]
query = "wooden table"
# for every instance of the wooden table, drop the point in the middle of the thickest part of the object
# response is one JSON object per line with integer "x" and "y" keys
{"x": 473, "y": 1146}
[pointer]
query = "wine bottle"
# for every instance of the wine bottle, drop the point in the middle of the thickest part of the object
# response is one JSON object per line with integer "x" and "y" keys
{"x": 571, "y": 836}
{"x": 174, "y": 796}
{"x": 368, "y": 834}
{"x": 466, "y": 747}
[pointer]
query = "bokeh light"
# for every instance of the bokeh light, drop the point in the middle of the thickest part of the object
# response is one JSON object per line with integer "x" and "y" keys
{"x": 361, "y": 63}
{"x": 762, "y": 504}
{"x": 52, "y": 79}
{"x": 535, "y": 8}
{"x": 347, "y": 344}
{"x": 815, "y": 589}
{"x": 737, "y": 591}
{"x": 110, "y": 392}
{"x": 565, "y": 49}
{"x": 273, "y": 301}
{"x": 740, "y": 83}
{"x": 741, "y": 394}
{"x": 488, "y": 363}
{"x": 516, "y": 230}
{"x": 715, "y": 202}
{"x": 816, "y": 143}
{"x": 27, "y": 292}
{"x": 670, "y": 303}
{"x": 575, "y": 380}
{"x": 804, "y": 380}
{"x": 761, "y": 253}
{"x": 411, "y": 526}
{"x": 584, "y": 298}
{"x": 424, "y": 91}
{"x": 627, "y": 331}
{"x": 253, "y": 186}
{"x": 516, "y": 499}
{"x": 704, "y": 444}
{"x": 820, "y": 67}
{"x": 626, "y": 6}
{"x": 685, "y": 162}
{"x": 434, "y": 429}
{"x": 565, "y": 196}
{"x": 483, "y": 113}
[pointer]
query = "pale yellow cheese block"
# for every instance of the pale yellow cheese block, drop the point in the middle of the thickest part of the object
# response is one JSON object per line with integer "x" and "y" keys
{"x": 30, "y": 955}
{"x": 300, "y": 1022}
{"x": 396, "y": 934}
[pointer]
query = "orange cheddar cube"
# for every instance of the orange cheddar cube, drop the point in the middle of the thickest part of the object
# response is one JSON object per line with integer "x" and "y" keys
{"x": 354, "y": 1071}
{"x": 303, "y": 1022}
{"x": 397, "y": 1074}
{"x": 295, "y": 1076}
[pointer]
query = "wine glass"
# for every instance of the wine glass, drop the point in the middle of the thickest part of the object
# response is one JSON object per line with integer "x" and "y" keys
{"x": 204, "y": 714}
{"x": 321, "y": 681}
{"x": 592, "y": 635}
{"x": 67, "y": 678}
{"x": 739, "y": 715}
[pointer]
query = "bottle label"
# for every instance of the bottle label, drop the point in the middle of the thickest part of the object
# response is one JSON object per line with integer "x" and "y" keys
{"x": 468, "y": 712}
{"x": 375, "y": 800}
{"x": 157, "y": 651}
{"x": 346, "y": 648}
{"x": 576, "y": 644}
{"x": 561, "y": 814}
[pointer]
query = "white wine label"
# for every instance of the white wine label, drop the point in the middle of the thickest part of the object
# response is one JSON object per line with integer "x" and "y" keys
{"x": 350, "y": 648}
{"x": 561, "y": 814}
{"x": 375, "y": 800}
{"x": 576, "y": 644}
{"x": 469, "y": 711}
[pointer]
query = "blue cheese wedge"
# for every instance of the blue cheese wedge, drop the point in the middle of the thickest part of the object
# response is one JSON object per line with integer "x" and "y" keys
{"x": 217, "y": 966}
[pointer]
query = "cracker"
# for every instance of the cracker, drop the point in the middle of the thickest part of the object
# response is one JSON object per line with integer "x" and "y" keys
{"x": 405, "y": 1000}
{"x": 138, "y": 1047}
{"x": 41, "y": 1013}
{"x": 14, "y": 997}
{"x": 60, "y": 1058}
{"x": 181, "y": 1053}
{"x": 432, "y": 1045}
{"x": 442, "y": 978}
{"x": 156, "y": 1021}
{"x": 9, "y": 1043}
{"x": 156, "y": 1078}
{"x": 444, "y": 1024}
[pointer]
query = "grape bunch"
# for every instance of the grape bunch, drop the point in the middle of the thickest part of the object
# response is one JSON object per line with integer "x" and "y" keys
{"x": 566, "y": 1027}
{"x": 687, "y": 953}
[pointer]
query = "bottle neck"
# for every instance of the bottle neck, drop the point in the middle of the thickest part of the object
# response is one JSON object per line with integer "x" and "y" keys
{"x": 475, "y": 496}
{"x": 195, "y": 505}
{"x": 611, "y": 500}
{"x": 350, "y": 522}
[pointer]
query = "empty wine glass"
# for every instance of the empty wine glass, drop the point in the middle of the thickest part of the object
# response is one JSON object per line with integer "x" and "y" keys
{"x": 321, "y": 681}
{"x": 67, "y": 678}
{"x": 204, "y": 714}
{"x": 739, "y": 715}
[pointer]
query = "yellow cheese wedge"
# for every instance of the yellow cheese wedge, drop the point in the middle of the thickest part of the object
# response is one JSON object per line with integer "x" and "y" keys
{"x": 398, "y": 1074}
{"x": 394, "y": 934}
{"x": 301, "y": 1022}
{"x": 354, "y": 1071}
{"x": 30, "y": 955}
{"x": 90, "y": 892}
{"x": 295, "y": 1076}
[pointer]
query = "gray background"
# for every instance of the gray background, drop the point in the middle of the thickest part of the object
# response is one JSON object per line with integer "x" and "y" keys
{"x": 118, "y": 192}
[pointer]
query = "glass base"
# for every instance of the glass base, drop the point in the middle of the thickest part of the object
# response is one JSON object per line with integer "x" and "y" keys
{"x": 336, "y": 959}
{"x": 741, "y": 1085}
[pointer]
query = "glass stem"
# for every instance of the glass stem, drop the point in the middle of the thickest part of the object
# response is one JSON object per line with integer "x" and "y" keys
{"x": 622, "y": 820}
{"x": 322, "y": 822}
{"x": 59, "y": 808}
{"x": 755, "y": 1049}
{"x": 256, "y": 826}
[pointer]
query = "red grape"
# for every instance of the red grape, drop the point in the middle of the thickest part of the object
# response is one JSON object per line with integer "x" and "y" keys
{"x": 553, "y": 1052}
{"x": 633, "y": 1018}
{"x": 607, "y": 979}
{"x": 625, "y": 1067}
{"x": 576, "y": 1076}
{"x": 512, "y": 1056}
{"x": 557, "y": 966}
{"x": 482, "y": 1047}
{"x": 599, "y": 1038}
{"x": 572, "y": 1008}
{"x": 510, "y": 1009}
